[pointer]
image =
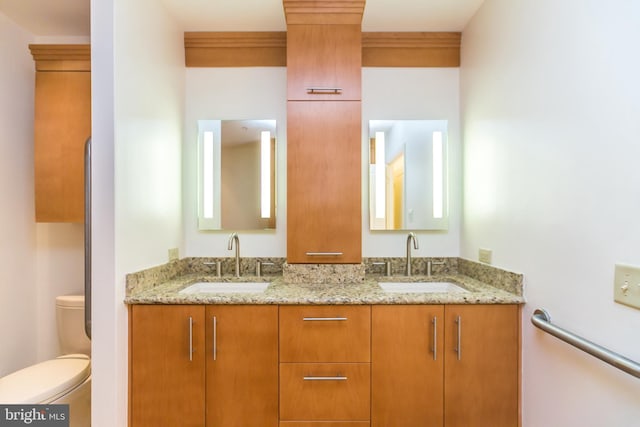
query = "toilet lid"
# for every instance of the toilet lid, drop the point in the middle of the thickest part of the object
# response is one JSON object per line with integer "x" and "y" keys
{"x": 41, "y": 382}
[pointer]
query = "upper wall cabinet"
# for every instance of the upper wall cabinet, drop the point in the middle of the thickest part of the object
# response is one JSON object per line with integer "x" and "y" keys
{"x": 62, "y": 125}
{"x": 324, "y": 62}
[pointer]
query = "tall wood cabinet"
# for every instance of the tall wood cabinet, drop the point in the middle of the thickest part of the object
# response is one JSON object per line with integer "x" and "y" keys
{"x": 324, "y": 60}
{"x": 62, "y": 125}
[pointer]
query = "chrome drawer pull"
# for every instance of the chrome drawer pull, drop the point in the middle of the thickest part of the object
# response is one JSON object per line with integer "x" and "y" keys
{"x": 459, "y": 337}
{"x": 435, "y": 338}
{"x": 324, "y": 90}
{"x": 323, "y": 319}
{"x": 190, "y": 339}
{"x": 337, "y": 378}
{"x": 324, "y": 253}
{"x": 215, "y": 338}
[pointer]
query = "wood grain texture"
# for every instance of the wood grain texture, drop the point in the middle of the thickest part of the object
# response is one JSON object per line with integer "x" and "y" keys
{"x": 325, "y": 341}
{"x": 323, "y": 12}
{"x": 402, "y": 364}
{"x": 268, "y": 49}
{"x": 166, "y": 389}
{"x": 324, "y": 56}
{"x": 62, "y": 125}
{"x": 324, "y": 424}
{"x": 323, "y": 181}
{"x": 235, "y": 49}
{"x": 325, "y": 400}
{"x": 59, "y": 57}
{"x": 411, "y": 49}
{"x": 482, "y": 387}
{"x": 242, "y": 381}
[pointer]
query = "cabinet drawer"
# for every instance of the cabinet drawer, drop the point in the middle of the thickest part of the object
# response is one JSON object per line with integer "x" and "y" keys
{"x": 325, "y": 391}
{"x": 325, "y": 424}
{"x": 325, "y": 333}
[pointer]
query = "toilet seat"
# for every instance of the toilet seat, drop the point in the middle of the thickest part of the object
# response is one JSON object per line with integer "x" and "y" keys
{"x": 45, "y": 381}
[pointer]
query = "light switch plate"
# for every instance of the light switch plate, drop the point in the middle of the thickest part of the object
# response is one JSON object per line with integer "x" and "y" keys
{"x": 484, "y": 255}
{"x": 174, "y": 254}
{"x": 626, "y": 285}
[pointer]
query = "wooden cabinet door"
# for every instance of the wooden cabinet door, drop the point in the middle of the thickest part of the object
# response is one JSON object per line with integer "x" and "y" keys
{"x": 407, "y": 365}
{"x": 323, "y": 182}
{"x": 242, "y": 366}
{"x": 324, "y": 56}
{"x": 481, "y": 372}
{"x": 61, "y": 127}
{"x": 166, "y": 373}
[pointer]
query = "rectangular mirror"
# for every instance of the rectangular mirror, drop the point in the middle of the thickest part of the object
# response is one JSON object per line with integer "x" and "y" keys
{"x": 237, "y": 174}
{"x": 408, "y": 175}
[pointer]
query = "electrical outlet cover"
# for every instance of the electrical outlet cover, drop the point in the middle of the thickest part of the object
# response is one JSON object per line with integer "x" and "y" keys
{"x": 174, "y": 254}
{"x": 484, "y": 255}
{"x": 626, "y": 285}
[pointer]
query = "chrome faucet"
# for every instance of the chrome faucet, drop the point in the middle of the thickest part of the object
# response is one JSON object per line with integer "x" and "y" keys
{"x": 234, "y": 238}
{"x": 410, "y": 237}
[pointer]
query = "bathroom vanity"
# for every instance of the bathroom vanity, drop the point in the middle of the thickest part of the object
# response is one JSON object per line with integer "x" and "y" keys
{"x": 321, "y": 354}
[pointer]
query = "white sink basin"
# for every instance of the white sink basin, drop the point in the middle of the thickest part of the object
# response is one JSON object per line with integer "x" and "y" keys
{"x": 225, "y": 287}
{"x": 421, "y": 287}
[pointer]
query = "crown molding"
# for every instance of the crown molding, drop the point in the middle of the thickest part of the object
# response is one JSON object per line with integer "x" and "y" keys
{"x": 61, "y": 57}
{"x": 323, "y": 11}
{"x": 269, "y": 49}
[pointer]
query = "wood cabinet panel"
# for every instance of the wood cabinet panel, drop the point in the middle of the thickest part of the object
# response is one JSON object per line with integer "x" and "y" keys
{"x": 325, "y": 56}
{"x": 324, "y": 424}
{"x": 316, "y": 399}
{"x": 242, "y": 375}
{"x": 406, "y": 377}
{"x": 323, "y": 182}
{"x": 61, "y": 127}
{"x": 322, "y": 340}
{"x": 166, "y": 383}
{"x": 481, "y": 377}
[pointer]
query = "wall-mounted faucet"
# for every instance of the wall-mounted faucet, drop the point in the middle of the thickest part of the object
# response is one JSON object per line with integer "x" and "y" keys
{"x": 410, "y": 237}
{"x": 234, "y": 238}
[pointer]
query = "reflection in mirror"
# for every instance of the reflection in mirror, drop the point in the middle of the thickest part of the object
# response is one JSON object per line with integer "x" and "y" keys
{"x": 408, "y": 175}
{"x": 237, "y": 174}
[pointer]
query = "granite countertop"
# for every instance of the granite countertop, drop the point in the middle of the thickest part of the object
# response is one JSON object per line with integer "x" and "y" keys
{"x": 363, "y": 292}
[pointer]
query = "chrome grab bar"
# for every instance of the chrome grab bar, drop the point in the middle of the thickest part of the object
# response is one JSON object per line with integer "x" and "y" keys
{"x": 87, "y": 238}
{"x": 542, "y": 320}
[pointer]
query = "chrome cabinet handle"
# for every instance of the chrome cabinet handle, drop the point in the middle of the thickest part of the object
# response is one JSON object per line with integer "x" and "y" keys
{"x": 324, "y": 90}
{"x": 459, "y": 337}
{"x": 324, "y": 253}
{"x": 323, "y": 319}
{"x": 435, "y": 338}
{"x": 336, "y": 378}
{"x": 215, "y": 338}
{"x": 190, "y": 339}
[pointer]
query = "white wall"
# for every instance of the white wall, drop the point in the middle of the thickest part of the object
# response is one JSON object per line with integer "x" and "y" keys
{"x": 138, "y": 98}
{"x": 17, "y": 228}
{"x": 255, "y": 93}
{"x": 550, "y": 102}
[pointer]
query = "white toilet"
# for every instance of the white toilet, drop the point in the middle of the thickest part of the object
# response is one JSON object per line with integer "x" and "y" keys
{"x": 64, "y": 380}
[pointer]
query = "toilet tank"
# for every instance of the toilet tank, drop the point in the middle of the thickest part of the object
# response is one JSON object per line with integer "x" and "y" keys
{"x": 70, "y": 324}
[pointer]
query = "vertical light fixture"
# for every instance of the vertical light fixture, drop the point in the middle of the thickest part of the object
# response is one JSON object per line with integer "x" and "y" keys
{"x": 380, "y": 176}
{"x": 438, "y": 177}
{"x": 265, "y": 174}
{"x": 207, "y": 175}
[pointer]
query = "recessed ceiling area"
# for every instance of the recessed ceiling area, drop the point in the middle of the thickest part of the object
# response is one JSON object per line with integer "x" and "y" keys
{"x": 49, "y": 17}
{"x": 71, "y": 17}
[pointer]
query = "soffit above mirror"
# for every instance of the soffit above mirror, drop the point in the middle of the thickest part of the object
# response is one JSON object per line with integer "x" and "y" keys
{"x": 269, "y": 49}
